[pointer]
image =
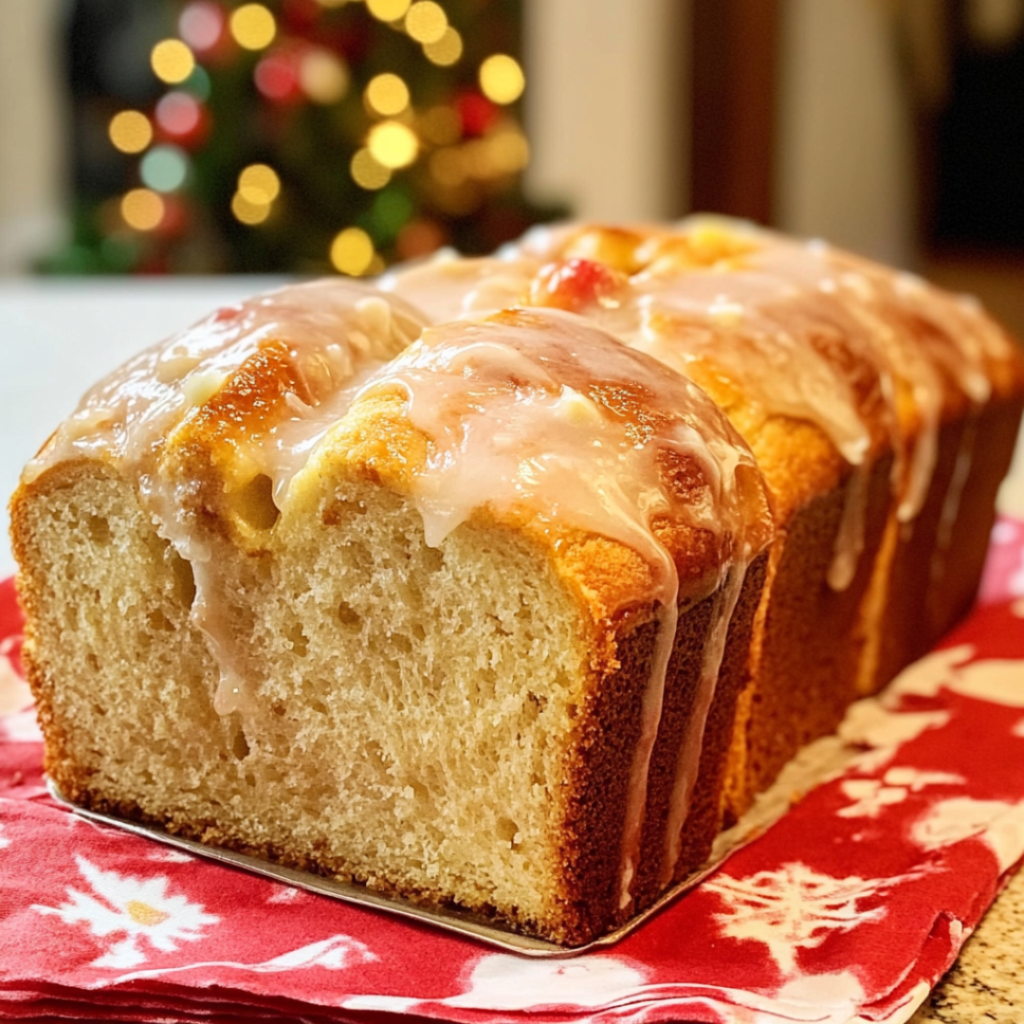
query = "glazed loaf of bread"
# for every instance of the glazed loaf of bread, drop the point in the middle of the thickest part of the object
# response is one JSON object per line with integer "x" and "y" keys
{"x": 505, "y": 583}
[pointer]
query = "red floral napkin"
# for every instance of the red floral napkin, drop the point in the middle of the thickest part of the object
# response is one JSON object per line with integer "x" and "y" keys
{"x": 847, "y": 910}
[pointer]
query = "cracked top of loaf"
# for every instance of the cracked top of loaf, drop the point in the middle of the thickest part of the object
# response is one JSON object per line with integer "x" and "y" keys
{"x": 803, "y": 347}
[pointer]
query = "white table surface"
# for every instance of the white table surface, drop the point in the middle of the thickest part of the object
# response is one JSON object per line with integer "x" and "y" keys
{"x": 58, "y": 337}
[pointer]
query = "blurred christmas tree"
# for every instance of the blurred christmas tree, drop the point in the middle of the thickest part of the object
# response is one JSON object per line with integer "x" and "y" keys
{"x": 295, "y": 136}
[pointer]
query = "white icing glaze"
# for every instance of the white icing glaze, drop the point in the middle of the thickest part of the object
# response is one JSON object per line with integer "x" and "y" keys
{"x": 334, "y": 332}
{"x": 639, "y": 770}
{"x": 849, "y": 542}
{"x": 447, "y": 289}
{"x": 542, "y": 411}
{"x": 327, "y": 325}
{"x": 951, "y": 503}
{"x": 692, "y": 746}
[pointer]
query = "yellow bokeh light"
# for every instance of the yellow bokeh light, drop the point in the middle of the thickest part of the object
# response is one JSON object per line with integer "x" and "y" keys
{"x": 368, "y": 173}
{"x": 387, "y": 94}
{"x": 323, "y": 76}
{"x": 172, "y": 61}
{"x": 393, "y": 144}
{"x": 508, "y": 151}
{"x": 441, "y": 125}
{"x": 253, "y": 26}
{"x": 458, "y": 201}
{"x": 130, "y": 131}
{"x": 445, "y": 51}
{"x": 502, "y": 79}
{"x": 142, "y": 209}
{"x": 478, "y": 160}
{"x": 259, "y": 184}
{"x": 448, "y": 166}
{"x": 426, "y": 22}
{"x": 352, "y": 251}
{"x": 388, "y": 10}
{"x": 247, "y": 211}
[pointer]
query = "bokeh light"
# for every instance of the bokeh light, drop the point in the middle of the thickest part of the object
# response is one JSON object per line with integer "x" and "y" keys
{"x": 198, "y": 83}
{"x": 248, "y": 212}
{"x": 508, "y": 150}
{"x": 201, "y": 25}
{"x": 393, "y": 144}
{"x": 323, "y": 76}
{"x": 259, "y": 184}
{"x": 253, "y": 26}
{"x": 277, "y": 76}
{"x": 445, "y": 51}
{"x": 387, "y": 94}
{"x": 478, "y": 159}
{"x": 352, "y": 252}
{"x": 172, "y": 61}
{"x": 387, "y": 10}
{"x": 367, "y": 172}
{"x": 419, "y": 238}
{"x": 392, "y": 209}
{"x": 426, "y": 22}
{"x": 441, "y": 125}
{"x": 130, "y": 131}
{"x": 502, "y": 79}
{"x": 447, "y": 166}
{"x": 164, "y": 168}
{"x": 178, "y": 113}
{"x": 142, "y": 209}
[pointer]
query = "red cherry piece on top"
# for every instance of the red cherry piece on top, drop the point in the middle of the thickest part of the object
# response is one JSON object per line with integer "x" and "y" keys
{"x": 575, "y": 284}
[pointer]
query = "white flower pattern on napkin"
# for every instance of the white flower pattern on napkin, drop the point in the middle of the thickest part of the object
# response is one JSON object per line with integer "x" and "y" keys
{"x": 138, "y": 907}
{"x": 794, "y": 908}
{"x": 871, "y": 795}
{"x": 998, "y": 824}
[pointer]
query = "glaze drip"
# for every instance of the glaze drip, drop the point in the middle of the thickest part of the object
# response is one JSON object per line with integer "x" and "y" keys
{"x": 692, "y": 746}
{"x": 541, "y": 413}
{"x": 323, "y": 338}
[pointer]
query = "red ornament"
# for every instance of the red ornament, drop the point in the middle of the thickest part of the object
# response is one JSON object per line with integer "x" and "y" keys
{"x": 277, "y": 75}
{"x": 419, "y": 237}
{"x": 182, "y": 119}
{"x": 201, "y": 25}
{"x": 476, "y": 113}
{"x": 176, "y": 217}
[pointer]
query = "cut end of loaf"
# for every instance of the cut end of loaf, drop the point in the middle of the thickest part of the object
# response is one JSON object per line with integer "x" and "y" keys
{"x": 388, "y": 731}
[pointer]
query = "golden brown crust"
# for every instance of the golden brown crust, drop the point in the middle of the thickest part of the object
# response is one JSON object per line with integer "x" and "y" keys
{"x": 595, "y": 789}
{"x": 810, "y": 638}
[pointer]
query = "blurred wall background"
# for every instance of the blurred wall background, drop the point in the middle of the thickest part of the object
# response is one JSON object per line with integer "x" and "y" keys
{"x": 33, "y": 147}
{"x": 873, "y": 123}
